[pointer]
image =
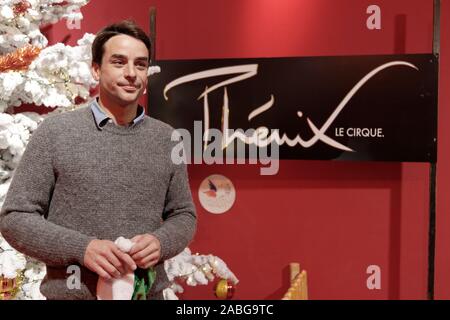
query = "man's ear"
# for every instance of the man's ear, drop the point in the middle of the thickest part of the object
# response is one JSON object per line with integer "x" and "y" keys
{"x": 95, "y": 70}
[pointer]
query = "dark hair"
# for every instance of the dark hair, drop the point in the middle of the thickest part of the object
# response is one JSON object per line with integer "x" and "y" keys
{"x": 127, "y": 27}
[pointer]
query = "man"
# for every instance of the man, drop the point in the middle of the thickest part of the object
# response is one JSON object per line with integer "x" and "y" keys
{"x": 92, "y": 175}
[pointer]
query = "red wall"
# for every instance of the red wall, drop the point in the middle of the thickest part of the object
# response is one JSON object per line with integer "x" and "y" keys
{"x": 335, "y": 218}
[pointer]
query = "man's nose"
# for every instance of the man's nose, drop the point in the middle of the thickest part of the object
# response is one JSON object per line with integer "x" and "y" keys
{"x": 130, "y": 71}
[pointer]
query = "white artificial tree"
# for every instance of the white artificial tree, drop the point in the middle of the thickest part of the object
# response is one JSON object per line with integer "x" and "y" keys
{"x": 58, "y": 77}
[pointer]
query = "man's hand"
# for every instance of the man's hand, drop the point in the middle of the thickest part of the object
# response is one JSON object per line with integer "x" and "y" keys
{"x": 107, "y": 260}
{"x": 146, "y": 251}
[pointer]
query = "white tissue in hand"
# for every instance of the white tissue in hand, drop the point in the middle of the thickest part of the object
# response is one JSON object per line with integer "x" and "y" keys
{"x": 124, "y": 245}
{"x": 121, "y": 288}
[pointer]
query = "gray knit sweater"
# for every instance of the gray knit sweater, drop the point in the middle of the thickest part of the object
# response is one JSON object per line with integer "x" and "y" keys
{"x": 76, "y": 183}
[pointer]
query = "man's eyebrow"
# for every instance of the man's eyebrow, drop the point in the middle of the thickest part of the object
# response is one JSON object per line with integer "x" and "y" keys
{"x": 118, "y": 56}
{"x": 121, "y": 56}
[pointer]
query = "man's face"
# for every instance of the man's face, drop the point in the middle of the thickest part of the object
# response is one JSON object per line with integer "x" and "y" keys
{"x": 123, "y": 73}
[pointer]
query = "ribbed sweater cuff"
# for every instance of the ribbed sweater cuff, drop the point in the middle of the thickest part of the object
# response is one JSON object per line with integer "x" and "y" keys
{"x": 164, "y": 240}
{"x": 78, "y": 248}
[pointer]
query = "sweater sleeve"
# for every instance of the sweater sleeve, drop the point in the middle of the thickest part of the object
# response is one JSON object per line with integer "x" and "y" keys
{"x": 180, "y": 218}
{"x": 23, "y": 220}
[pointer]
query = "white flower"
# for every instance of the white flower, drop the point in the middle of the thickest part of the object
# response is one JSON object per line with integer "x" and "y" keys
{"x": 16, "y": 145}
{"x": 14, "y": 135}
{"x": 34, "y": 117}
{"x": 74, "y": 15}
{"x": 4, "y": 175}
{"x": 4, "y": 142}
{"x": 5, "y": 245}
{"x": 55, "y": 99}
{"x": 34, "y": 89}
{"x": 169, "y": 294}
{"x": 11, "y": 263}
{"x": 26, "y": 27}
{"x": 31, "y": 291}
{"x": 21, "y": 38}
{"x": 200, "y": 277}
{"x": 54, "y": 79}
{"x": 6, "y": 12}
{"x": 3, "y": 105}
{"x": 86, "y": 40}
{"x": 4, "y": 186}
{"x": 153, "y": 70}
{"x": 34, "y": 272}
{"x": 10, "y": 81}
{"x": 199, "y": 269}
{"x": 23, "y": 22}
{"x": 5, "y": 120}
{"x": 28, "y": 120}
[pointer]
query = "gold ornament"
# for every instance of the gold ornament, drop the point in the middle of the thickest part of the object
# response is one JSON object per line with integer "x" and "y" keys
{"x": 19, "y": 59}
{"x": 224, "y": 290}
{"x": 10, "y": 287}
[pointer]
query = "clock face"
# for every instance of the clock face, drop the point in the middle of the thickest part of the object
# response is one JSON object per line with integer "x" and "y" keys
{"x": 217, "y": 194}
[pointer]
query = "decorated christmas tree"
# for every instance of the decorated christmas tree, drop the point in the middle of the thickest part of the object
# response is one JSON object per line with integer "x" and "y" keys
{"x": 57, "y": 77}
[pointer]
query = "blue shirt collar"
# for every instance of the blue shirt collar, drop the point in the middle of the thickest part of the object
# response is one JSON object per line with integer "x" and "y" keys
{"x": 101, "y": 118}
